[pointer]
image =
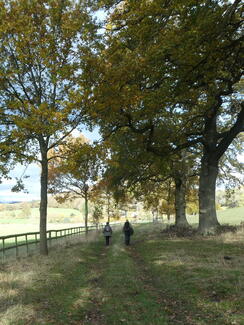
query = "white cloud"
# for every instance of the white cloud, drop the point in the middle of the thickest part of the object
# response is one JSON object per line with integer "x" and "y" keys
{"x": 241, "y": 158}
{"x": 32, "y": 184}
{"x": 8, "y": 195}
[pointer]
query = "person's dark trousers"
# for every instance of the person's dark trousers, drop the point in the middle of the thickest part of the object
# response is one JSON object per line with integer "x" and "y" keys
{"x": 127, "y": 240}
{"x": 107, "y": 240}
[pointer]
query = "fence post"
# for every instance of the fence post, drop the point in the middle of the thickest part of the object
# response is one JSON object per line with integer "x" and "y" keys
{"x": 3, "y": 255}
{"x": 16, "y": 248}
{"x": 27, "y": 246}
{"x": 50, "y": 237}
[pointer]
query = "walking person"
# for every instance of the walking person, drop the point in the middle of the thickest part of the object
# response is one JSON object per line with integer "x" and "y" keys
{"x": 128, "y": 231}
{"x": 107, "y": 232}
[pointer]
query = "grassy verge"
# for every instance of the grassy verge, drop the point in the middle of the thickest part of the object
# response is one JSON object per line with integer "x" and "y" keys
{"x": 49, "y": 290}
{"x": 201, "y": 281}
{"x": 157, "y": 280}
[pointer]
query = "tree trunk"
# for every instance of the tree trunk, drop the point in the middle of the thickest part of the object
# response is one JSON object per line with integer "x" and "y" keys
{"x": 212, "y": 152}
{"x": 86, "y": 212}
{"x": 180, "y": 203}
{"x": 108, "y": 207}
{"x": 169, "y": 198}
{"x": 208, "y": 221}
{"x": 43, "y": 204}
{"x": 168, "y": 215}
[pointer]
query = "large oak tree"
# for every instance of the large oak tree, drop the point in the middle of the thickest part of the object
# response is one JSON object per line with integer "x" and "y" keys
{"x": 40, "y": 50}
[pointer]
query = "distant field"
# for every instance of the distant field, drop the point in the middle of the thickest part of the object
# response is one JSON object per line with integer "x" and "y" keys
{"x": 232, "y": 216}
{"x": 52, "y": 213}
{"x": 55, "y": 216}
{"x": 10, "y": 229}
{"x": 10, "y": 225}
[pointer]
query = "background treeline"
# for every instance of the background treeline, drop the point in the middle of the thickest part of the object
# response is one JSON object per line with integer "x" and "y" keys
{"x": 74, "y": 211}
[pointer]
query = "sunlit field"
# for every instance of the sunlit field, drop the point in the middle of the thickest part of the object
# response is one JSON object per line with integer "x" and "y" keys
{"x": 14, "y": 216}
{"x": 232, "y": 216}
{"x": 10, "y": 225}
{"x": 10, "y": 229}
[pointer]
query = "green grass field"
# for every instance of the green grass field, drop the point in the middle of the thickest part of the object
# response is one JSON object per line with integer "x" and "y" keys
{"x": 158, "y": 280}
{"x": 9, "y": 229}
{"x": 13, "y": 224}
{"x": 232, "y": 216}
{"x": 14, "y": 216}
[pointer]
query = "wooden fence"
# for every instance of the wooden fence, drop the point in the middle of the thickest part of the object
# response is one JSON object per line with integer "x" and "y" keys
{"x": 33, "y": 238}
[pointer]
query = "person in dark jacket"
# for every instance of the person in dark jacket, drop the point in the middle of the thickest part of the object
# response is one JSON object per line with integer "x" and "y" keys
{"x": 128, "y": 231}
{"x": 107, "y": 232}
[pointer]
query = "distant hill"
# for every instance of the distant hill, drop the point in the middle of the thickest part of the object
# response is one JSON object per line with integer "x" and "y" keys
{"x": 10, "y": 202}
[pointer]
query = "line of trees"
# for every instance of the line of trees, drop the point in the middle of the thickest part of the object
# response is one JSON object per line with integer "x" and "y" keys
{"x": 170, "y": 77}
{"x": 162, "y": 82}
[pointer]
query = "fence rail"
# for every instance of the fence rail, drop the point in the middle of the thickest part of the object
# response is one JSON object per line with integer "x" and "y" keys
{"x": 33, "y": 238}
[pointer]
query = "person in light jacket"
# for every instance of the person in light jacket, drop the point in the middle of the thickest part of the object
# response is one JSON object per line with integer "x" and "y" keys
{"x": 107, "y": 233}
{"x": 128, "y": 231}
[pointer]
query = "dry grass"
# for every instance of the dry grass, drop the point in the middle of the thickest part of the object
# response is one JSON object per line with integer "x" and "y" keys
{"x": 34, "y": 277}
{"x": 233, "y": 237}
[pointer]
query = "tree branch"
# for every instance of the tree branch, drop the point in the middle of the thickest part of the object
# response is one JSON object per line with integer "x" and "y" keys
{"x": 231, "y": 134}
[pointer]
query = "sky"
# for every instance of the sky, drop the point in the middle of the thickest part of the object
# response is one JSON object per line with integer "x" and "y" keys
{"x": 32, "y": 183}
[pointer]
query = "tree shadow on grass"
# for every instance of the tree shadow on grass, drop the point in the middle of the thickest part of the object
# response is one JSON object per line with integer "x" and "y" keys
{"x": 195, "y": 280}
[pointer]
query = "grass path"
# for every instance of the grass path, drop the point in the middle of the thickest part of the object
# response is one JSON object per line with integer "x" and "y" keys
{"x": 155, "y": 281}
{"x": 127, "y": 299}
